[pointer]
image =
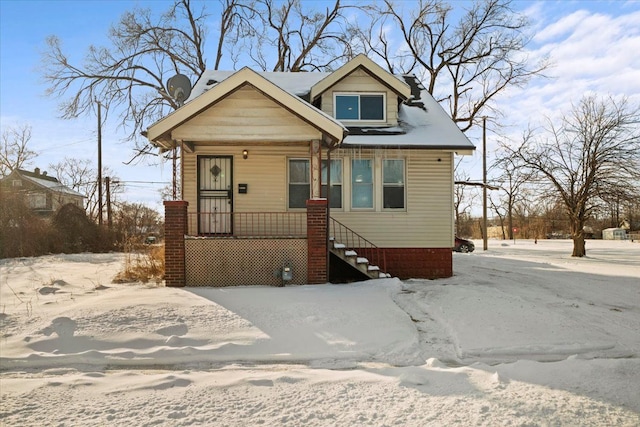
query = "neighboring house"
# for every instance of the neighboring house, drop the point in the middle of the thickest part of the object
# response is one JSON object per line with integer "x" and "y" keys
{"x": 257, "y": 152}
{"x": 614, "y": 234}
{"x": 44, "y": 194}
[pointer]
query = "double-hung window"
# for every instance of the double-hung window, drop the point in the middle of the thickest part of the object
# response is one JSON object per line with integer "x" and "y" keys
{"x": 336, "y": 183}
{"x": 362, "y": 184}
{"x": 393, "y": 194}
{"x": 299, "y": 183}
{"x": 360, "y": 106}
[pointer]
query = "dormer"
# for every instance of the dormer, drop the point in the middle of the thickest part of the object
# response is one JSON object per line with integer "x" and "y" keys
{"x": 361, "y": 94}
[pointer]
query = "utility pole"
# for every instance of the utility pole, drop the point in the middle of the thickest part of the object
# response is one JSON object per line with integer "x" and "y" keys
{"x": 107, "y": 184}
{"x": 99, "y": 164}
{"x": 484, "y": 183}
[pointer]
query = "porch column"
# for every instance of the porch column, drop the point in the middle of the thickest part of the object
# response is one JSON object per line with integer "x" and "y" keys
{"x": 175, "y": 228}
{"x": 316, "y": 158}
{"x": 317, "y": 241}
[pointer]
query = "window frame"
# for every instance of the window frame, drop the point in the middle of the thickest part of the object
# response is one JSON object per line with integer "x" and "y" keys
{"x": 394, "y": 185}
{"x": 372, "y": 184}
{"x": 340, "y": 183}
{"x": 289, "y": 183}
{"x": 358, "y": 95}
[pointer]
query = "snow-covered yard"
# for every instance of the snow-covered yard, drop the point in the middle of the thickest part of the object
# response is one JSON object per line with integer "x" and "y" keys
{"x": 523, "y": 334}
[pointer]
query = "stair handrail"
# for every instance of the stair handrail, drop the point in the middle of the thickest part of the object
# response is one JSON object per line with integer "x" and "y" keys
{"x": 356, "y": 242}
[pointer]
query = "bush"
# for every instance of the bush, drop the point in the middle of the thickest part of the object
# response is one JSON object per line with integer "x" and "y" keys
{"x": 22, "y": 233}
{"x": 143, "y": 263}
{"x": 75, "y": 232}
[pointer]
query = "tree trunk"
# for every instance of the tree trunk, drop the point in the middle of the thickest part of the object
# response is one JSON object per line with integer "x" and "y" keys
{"x": 577, "y": 234}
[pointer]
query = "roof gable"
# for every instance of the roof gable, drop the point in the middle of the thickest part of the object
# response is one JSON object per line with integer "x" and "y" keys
{"x": 160, "y": 132}
{"x": 42, "y": 180}
{"x": 374, "y": 70}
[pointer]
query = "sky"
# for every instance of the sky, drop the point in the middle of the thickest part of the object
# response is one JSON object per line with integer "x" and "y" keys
{"x": 592, "y": 45}
{"x": 522, "y": 334}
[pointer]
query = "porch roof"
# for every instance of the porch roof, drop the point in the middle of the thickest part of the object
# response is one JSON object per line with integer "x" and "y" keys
{"x": 160, "y": 132}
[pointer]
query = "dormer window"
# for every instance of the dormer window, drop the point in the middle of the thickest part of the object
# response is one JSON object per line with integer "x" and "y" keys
{"x": 359, "y": 106}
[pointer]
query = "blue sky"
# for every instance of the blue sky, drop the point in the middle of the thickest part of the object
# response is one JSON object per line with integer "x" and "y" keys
{"x": 594, "y": 47}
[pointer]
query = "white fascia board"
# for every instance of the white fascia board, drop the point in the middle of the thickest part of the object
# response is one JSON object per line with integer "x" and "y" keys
{"x": 391, "y": 81}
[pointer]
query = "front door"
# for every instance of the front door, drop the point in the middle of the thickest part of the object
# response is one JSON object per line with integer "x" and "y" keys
{"x": 215, "y": 194}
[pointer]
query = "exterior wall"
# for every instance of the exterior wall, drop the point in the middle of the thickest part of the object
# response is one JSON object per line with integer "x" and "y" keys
{"x": 360, "y": 81}
{"x": 431, "y": 263}
{"x": 246, "y": 116}
{"x": 244, "y": 262}
{"x": 265, "y": 172}
{"x": 426, "y": 221}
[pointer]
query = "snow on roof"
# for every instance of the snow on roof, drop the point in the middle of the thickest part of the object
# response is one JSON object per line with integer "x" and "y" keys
{"x": 298, "y": 83}
{"x": 423, "y": 124}
{"x": 48, "y": 182}
{"x": 428, "y": 127}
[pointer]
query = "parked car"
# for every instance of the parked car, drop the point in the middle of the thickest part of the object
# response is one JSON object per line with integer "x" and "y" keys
{"x": 463, "y": 245}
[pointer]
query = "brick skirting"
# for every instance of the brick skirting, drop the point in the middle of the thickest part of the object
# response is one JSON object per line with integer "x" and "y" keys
{"x": 419, "y": 263}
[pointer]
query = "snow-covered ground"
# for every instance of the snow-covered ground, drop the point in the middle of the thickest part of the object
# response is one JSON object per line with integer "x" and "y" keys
{"x": 523, "y": 334}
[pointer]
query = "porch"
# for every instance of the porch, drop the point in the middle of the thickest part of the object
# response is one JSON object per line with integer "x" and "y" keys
{"x": 260, "y": 248}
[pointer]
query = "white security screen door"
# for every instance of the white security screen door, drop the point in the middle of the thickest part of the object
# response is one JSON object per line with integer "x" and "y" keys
{"x": 215, "y": 194}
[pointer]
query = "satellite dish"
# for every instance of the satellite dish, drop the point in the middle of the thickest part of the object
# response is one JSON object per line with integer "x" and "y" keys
{"x": 179, "y": 87}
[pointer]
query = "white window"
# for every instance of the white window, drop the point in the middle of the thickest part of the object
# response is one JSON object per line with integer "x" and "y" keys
{"x": 16, "y": 183}
{"x": 360, "y": 106}
{"x": 336, "y": 182}
{"x": 299, "y": 183}
{"x": 362, "y": 184}
{"x": 393, "y": 194}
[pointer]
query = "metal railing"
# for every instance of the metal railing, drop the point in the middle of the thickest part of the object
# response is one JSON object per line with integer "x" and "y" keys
{"x": 355, "y": 242}
{"x": 248, "y": 224}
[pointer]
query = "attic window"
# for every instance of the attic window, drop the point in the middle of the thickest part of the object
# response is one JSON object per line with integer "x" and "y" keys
{"x": 16, "y": 183}
{"x": 360, "y": 106}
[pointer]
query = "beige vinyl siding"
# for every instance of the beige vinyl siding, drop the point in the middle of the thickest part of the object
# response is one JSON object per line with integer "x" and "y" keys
{"x": 245, "y": 116}
{"x": 358, "y": 82}
{"x": 265, "y": 172}
{"x": 427, "y": 220}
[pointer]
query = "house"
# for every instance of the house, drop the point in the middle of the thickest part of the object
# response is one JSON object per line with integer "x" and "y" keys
{"x": 44, "y": 194}
{"x": 258, "y": 151}
{"x": 614, "y": 234}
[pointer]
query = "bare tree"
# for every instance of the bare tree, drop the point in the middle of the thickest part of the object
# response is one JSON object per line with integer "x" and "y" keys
{"x": 14, "y": 153}
{"x": 81, "y": 175}
{"x": 292, "y": 36}
{"x": 129, "y": 75}
{"x": 463, "y": 200}
{"x": 464, "y": 62}
{"x": 593, "y": 151}
{"x": 513, "y": 182}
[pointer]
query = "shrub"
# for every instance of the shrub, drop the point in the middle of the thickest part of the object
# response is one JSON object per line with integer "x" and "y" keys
{"x": 143, "y": 263}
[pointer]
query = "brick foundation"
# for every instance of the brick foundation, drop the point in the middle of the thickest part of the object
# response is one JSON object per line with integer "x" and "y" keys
{"x": 419, "y": 263}
{"x": 317, "y": 241}
{"x": 175, "y": 228}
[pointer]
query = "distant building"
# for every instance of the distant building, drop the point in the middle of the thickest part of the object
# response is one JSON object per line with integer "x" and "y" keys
{"x": 44, "y": 194}
{"x": 614, "y": 234}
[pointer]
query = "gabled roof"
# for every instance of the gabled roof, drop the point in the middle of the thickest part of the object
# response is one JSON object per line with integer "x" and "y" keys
{"x": 374, "y": 70}
{"x": 45, "y": 181}
{"x": 160, "y": 132}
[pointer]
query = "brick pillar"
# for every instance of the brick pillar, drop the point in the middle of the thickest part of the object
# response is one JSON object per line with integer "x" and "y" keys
{"x": 175, "y": 228}
{"x": 317, "y": 241}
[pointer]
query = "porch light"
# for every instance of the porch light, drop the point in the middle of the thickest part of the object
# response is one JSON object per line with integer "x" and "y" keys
{"x": 245, "y": 154}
